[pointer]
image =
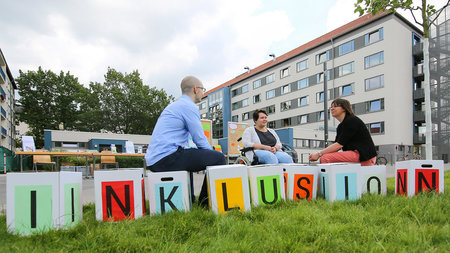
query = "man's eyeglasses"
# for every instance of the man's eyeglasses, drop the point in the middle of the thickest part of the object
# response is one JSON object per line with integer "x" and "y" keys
{"x": 201, "y": 88}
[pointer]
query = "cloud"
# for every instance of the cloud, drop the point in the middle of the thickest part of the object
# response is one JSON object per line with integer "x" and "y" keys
{"x": 164, "y": 40}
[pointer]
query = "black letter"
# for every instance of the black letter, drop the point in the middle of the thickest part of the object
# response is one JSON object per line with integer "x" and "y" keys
{"x": 73, "y": 205}
{"x": 33, "y": 209}
{"x": 162, "y": 199}
{"x": 379, "y": 184}
{"x": 423, "y": 179}
{"x": 263, "y": 195}
{"x": 110, "y": 192}
{"x": 299, "y": 185}
{"x": 400, "y": 183}
{"x": 346, "y": 187}
{"x": 323, "y": 187}
{"x": 225, "y": 199}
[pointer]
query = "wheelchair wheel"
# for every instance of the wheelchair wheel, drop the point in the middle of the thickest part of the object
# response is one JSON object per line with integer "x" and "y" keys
{"x": 381, "y": 161}
{"x": 242, "y": 160}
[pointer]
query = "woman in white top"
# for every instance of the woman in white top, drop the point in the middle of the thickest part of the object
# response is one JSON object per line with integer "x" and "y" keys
{"x": 265, "y": 141}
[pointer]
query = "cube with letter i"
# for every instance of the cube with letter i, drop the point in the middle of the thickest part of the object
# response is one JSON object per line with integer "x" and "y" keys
{"x": 118, "y": 194}
{"x": 414, "y": 176}
{"x": 302, "y": 181}
{"x": 340, "y": 181}
{"x": 228, "y": 188}
{"x": 373, "y": 179}
{"x": 266, "y": 184}
{"x": 38, "y": 202}
{"x": 169, "y": 191}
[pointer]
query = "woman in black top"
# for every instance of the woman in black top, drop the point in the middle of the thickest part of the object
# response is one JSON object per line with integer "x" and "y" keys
{"x": 352, "y": 137}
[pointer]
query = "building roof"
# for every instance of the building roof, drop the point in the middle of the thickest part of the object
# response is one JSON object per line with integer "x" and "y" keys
{"x": 349, "y": 27}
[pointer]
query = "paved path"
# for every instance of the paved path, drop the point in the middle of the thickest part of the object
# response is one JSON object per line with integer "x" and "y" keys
{"x": 88, "y": 195}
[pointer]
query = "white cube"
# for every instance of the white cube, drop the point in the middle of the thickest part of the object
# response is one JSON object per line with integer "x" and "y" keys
{"x": 414, "y": 176}
{"x": 266, "y": 184}
{"x": 340, "y": 181}
{"x": 302, "y": 181}
{"x": 228, "y": 188}
{"x": 38, "y": 202}
{"x": 118, "y": 194}
{"x": 373, "y": 179}
{"x": 169, "y": 191}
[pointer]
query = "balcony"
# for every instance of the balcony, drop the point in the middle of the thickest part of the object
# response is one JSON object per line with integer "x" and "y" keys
{"x": 419, "y": 116}
{"x": 4, "y": 132}
{"x": 418, "y": 72}
{"x": 419, "y": 94}
{"x": 2, "y": 94}
{"x": 2, "y": 76}
{"x": 419, "y": 138}
{"x": 3, "y": 114}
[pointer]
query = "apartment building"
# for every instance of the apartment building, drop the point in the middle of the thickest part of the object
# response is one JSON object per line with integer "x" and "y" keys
{"x": 369, "y": 62}
{"x": 7, "y": 115}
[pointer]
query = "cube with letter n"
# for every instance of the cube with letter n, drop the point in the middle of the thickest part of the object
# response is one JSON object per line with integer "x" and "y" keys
{"x": 340, "y": 181}
{"x": 266, "y": 184}
{"x": 302, "y": 181}
{"x": 373, "y": 179}
{"x": 118, "y": 194}
{"x": 38, "y": 202}
{"x": 228, "y": 188}
{"x": 415, "y": 176}
{"x": 169, "y": 191}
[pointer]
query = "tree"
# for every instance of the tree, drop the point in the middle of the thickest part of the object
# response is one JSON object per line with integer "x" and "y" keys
{"x": 127, "y": 105}
{"x": 47, "y": 101}
{"x": 426, "y": 10}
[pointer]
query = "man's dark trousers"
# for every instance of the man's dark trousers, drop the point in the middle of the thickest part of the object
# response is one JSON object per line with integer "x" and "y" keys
{"x": 191, "y": 160}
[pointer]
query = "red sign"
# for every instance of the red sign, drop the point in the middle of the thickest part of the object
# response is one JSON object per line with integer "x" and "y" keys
{"x": 118, "y": 200}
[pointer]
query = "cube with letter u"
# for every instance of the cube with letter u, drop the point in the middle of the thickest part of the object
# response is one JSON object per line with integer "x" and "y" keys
{"x": 340, "y": 181}
{"x": 266, "y": 184}
{"x": 118, "y": 194}
{"x": 414, "y": 176}
{"x": 38, "y": 202}
{"x": 169, "y": 191}
{"x": 228, "y": 188}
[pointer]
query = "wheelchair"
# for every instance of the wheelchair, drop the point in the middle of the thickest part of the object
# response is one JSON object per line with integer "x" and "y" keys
{"x": 242, "y": 159}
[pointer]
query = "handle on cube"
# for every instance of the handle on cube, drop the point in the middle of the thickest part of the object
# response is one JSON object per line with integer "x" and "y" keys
{"x": 167, "y": 179}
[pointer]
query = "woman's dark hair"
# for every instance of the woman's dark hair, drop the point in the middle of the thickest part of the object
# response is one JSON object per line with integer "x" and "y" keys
{"x": 344, "y": 104}
{"x": 257, "y": 112}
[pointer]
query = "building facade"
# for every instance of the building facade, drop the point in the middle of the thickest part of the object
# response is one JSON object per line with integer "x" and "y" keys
{"x": 7, "y": 88}
{"x": 369, "y": 62}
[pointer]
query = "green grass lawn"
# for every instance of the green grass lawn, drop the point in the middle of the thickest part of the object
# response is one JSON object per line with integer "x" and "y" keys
{"x": 372, "y": 224}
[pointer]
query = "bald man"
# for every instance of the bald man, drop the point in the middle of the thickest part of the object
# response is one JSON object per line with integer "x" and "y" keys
{"x": 166, "y": 149}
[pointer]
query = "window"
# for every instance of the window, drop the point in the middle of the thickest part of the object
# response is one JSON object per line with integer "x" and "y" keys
{"x": 235, "y": 106}
{"x": 245, "y": 116}
{"x": 320, "y": 96}
{"x": 285, "y": 105}
{"x": 234, "y": 92}
{"x": 270, "y": 94}
{"x": 235, "y": 118}
{"x": 286, "y": 122}
{"x": 346, "y": 48}
{"x": 245, "y": 88}
{"x": 373, "y": 37}
{"x": 376, "y": 105}
{"x": 284, "y": 73}
{"x": 376, "y": 128}
{"x": 303, "y": 101}
{"x": 322, "y": 57}
{"x": 270, "y": 109}
{"x": 245, "y": 102}
{"x": 271, "y": 124}
{"x": 302, "y": 65}
{"x": 374, "y": 82}
{"x": 374, "y": 60}
{"x": 303, "y": 83}
{"x": 270, "y": 79}
{"x": 303, "y": 119}
{"x": 202, "y": 106}
{"x": 320, "y": 116}
{"x": 285, "y": 89}
{"x": 319, "y": 77}
{"x": 347, "y": 90}
{"x": 256, "y": 98}
{"x": 257, "y": 84}
{"x": 204, "y": 116}
{"x": 346, "y": 69}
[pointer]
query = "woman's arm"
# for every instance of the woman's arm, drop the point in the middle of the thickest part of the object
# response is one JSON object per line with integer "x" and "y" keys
{"x": 335, "y": 147}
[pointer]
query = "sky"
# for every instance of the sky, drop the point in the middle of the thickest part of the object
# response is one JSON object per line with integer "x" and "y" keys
{"x": 164, "y": 40}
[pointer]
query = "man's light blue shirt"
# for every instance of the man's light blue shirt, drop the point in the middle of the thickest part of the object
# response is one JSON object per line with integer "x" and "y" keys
{"x": 172, "y": 130}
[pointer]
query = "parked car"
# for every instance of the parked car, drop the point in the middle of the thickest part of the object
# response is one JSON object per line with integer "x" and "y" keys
{"x": 290, "y": 151}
